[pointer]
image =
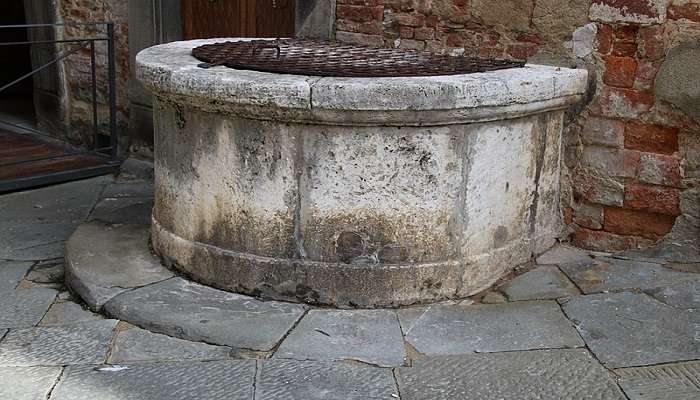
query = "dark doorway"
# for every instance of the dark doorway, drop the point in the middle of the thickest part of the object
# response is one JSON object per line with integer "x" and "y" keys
{"x": 237, "y": 18}
{"x": 16, "y": 102}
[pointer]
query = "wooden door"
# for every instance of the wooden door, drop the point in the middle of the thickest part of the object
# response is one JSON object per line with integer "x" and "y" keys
{"x": 237, "y": 18}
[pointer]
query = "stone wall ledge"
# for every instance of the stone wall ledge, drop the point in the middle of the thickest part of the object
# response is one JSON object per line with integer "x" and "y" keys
{"x": 172, "y": 73}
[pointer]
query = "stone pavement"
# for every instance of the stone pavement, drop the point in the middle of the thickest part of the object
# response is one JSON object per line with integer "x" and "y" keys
{"x": 573, "y": 325}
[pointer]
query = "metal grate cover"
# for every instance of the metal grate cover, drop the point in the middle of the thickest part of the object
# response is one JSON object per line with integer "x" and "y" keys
{"x": 325, "y": 58}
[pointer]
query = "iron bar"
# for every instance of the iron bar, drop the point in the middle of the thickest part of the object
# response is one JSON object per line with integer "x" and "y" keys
{"x": 93, "y": 77}
{"x": 54, "y": 41}
{"x": 111, "y": 70}
{"x": 94, "y": 23}
{"x": 34, "y": 71}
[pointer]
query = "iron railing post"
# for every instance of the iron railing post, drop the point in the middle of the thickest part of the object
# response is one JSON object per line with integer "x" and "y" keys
{"x": 112, "y": 92}
{"x": 93, "y": 76}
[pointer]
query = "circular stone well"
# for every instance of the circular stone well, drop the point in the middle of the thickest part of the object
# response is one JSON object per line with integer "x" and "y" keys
{"x": 353, "y": 192}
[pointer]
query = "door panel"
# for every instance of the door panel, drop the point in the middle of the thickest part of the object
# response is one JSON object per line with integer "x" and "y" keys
{"x": 242, "y": 18}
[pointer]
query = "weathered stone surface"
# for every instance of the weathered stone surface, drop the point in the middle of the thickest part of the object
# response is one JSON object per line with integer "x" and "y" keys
{"x": 27, "y": 383}
{"x": 513, "y": 14}
{"x": 66, "y": 313}
{"x": 542, "y": 283}
{"x": 290, "y": 379}
{"x": 47, "y": 272}
{"x": 409, "y": 316}
{"x": 684, "y": 295}
{"x": 556, "y": 19}
{"x": 371, "y": 336}
{"x": 563, "y": 254}
{"x": 23, "y": 308}
{"x": 679, "y": 381}
{"x": 678, "y": 84}
{"x": 607, "y": 274}
{"x": 541, "y": 374}
{"x": 137, "y": 188}
{"x": 75, "y": 344}
{"x": 124, "y": 210}
{"x": 104, "y": 260}
{"x": 138, "y": 345}
{"x": 629, "y": 329}
{"x": 494, "y": 298}
{"x": 184, "y": 309}
{"x": 11, "y": 272}
{"x": 445, "y": 330}
{"x": 36, "y": 223}
{"x": 217, "y": 380}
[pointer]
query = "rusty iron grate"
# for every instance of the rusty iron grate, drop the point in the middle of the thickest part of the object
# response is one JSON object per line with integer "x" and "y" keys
{"x": 325, "y": 58}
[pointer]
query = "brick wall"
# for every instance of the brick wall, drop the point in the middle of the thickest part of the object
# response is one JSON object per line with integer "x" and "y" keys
{"x": 632, "y": 157}
{"x": 77, "y": 73}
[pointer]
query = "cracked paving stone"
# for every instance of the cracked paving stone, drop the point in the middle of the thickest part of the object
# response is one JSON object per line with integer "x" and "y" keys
{"x": 539, "y": 374}
{"x": 630, "y": 329}
{"x": 609, "y": 274}
{"x": 664, "y": 252}
{"x": 27, "y": 383}
{"x": 526, "y": 325}
{"x": 409, "y": 316}
{"x": 124, "y": 210}
{"x": 318, "y": 380}
{"x": 34, "y": 241}
{"x": 47, "y": 272}
{"x": 370, "y": 336}
{"x": 685, "y": 295}
{"x": 184, "y": 309}
{"x": 138, "y": 345}
{"x": 11, "y": 272}
{"x": 679, "y": 381}
{"x": 542, "y": 283}
{"x": 215, "y": 380}
{"x": 67, "y": 313}
{"x": 85, "y": 343}
{"x": 23, "y": 308}
{"x": 104, "y": 261}
{"x": 561, "y": 254}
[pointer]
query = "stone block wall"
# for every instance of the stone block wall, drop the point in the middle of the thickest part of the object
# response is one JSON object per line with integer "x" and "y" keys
{"x": 633, "y": 150}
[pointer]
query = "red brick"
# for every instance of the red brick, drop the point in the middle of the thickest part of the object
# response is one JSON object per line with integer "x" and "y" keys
{"x": 621, "y": 49}
{"x": 620, "y": 71}
{"x": 626, "y": 33}
{"x": 637, "y": 223}
{"x": 655, "y": 199}
{"x": 628, "y": 10}
{"x": 603, "y": 132}
{"x": 652, "y": 42}
{"x": 646, "y": 73}
{"x": 604, "y": 39}
{"x": 651, "y": 138}
{"x": 522, "y": 52}
{"x": 406, "y": 32}
{"x": 603, "y": 241}
{"x": 370, "y": 28}
{"x": 594, "y": 188}
{"x": 689, "y": 11}
{"x": 619, "y": 102}
{"x": 660, "y": 169}
{"x": 567, "y": 215}
{"x": 589, "y": 216}
{"x": 406, "y": 19}
{"x": 359, "y": 13}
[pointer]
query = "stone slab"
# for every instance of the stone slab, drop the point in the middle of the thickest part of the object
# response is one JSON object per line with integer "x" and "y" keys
{"x": 135, "y": 188}
{"x": 86, "y": 343}
{"x": 105, "y": 260}
{"x": 124, "y": 210}
{"x": 11, "y": 272}
{"x": 217, "y": 380}
{"x": 290, "y": 379}
{"x": 527, "y": 325}
{"x": 370, "y": 336}
{"x": 684, "y": 295}
{"x": 27, "y": 383}
{"x": 609, "y": 274}
{"x": 563, "y": 254}
{"x": 34, "y": 241}
{"x": 23, "y": 308}
{"x": 409, "y": 316}
{"x": 630, "y": 329}
{"x": 188, "y": 310}
{"x": 667, "y": 251}
{"x": 67, "y": 313}
{"x": 139, "y": 345}
{"x": 540, "y": 374}
{"x": 679, "y": 381}
{"x": 542, "y": 283}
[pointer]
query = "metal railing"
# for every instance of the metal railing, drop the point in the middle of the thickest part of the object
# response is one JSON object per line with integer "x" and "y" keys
{"x": 110, "y": 152}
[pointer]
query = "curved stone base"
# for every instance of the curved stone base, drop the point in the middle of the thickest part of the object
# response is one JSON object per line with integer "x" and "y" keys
{"x": 336, "y": 284}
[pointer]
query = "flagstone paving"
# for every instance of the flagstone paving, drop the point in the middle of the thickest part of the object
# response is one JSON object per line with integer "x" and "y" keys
{"x": 632, "y": 330}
